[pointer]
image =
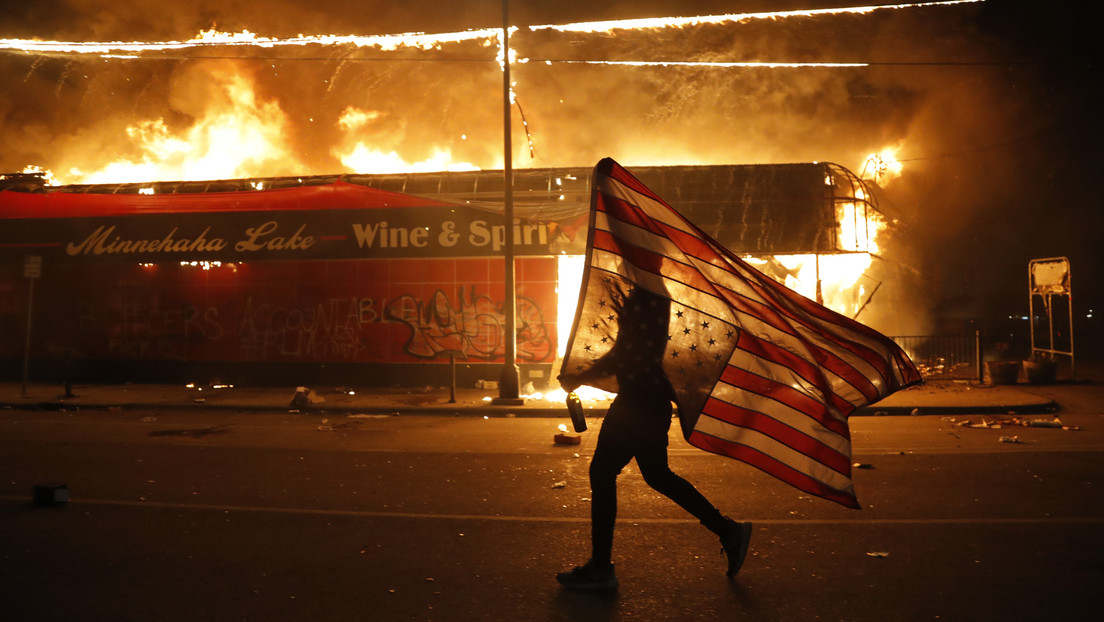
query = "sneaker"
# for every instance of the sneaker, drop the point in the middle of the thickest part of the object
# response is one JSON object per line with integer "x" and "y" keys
{"x": 590, "y": 577}
{"x": 735, "y": 545}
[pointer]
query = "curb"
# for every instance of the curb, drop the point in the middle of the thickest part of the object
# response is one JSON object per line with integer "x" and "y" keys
{"x": 437, "y": 410}
{"x": 1042, "y": 408}
{"x": 446, "y": 410}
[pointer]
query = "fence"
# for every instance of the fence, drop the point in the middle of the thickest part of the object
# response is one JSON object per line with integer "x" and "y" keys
{"x": 944, "y": 356}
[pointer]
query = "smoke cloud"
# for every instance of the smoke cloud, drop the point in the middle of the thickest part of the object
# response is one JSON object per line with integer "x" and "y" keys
{"x": 986, "y": 112}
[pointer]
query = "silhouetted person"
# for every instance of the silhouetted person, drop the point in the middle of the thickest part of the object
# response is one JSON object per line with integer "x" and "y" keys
{"x": 636, "y": 426}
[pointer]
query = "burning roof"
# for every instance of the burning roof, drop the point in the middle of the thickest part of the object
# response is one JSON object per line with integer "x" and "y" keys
{"x": 752, "y": 209}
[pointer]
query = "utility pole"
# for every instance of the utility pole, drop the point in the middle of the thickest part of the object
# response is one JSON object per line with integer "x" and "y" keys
{"x": 509, "y": 384}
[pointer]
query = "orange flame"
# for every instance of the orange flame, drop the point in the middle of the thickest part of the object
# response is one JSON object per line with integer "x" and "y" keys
{"x": 236, "y": 136}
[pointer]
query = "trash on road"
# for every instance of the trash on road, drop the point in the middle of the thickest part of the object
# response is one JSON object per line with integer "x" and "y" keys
{"x": 1010, "y": 439}
{"x": 878, "y": 554}
{"x": 305, "y": 397}
{"x": 999, "y": 424}
{"x": 563, "y": 437}
{"x": 560, "y": 484}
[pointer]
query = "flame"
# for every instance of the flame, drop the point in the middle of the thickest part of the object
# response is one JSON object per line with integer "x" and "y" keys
{"x": 209, "y": 38}
{"x": 835, "y": 275}
{"x": 682, "y": 22}
{"x": 569, "y": 281}
{"x": 236, "y": 136}
{"x": 882, "y": 167}
{"x": 364, "y": 159}
{"x": 859, "y": 226}
{"x": 488, "y": 36}
{"x": 233, "y": 143}
{"x": 359, "y": 157}
{"x": 47, "y": 175}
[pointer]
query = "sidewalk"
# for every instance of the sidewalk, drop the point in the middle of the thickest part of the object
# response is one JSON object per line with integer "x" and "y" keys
{"x": 938, "y": 397}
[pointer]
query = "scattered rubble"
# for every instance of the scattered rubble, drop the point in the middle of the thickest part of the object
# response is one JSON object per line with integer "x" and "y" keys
{"x": 1013, "y": 422}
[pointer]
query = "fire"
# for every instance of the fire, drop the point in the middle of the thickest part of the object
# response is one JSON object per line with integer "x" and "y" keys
{"x": 359, "y": 157}
{"x": 364, "y": 159}
{"x": 831, "y": 279}
{"x": 47, "y": 176}
{"x": 209, "y": 38}
{"x": 882, "y": 167}
{"x": 235, "y": 136}
{"x": 859, "y": 226}
{"x": 569, "y": 280}
{"x": 682, "y": 22}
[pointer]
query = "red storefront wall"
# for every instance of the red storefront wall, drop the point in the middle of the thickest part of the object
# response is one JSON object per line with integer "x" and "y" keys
{"x": 337, "y": 317}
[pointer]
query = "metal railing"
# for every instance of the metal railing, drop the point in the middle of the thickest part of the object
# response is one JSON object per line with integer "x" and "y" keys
{"x": 944, "y": 356}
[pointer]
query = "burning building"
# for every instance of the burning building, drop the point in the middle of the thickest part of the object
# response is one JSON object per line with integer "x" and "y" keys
{"x": 378, "y": 279}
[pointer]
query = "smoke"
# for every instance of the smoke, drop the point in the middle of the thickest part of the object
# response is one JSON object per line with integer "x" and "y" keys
{"x": 985, "y": 136}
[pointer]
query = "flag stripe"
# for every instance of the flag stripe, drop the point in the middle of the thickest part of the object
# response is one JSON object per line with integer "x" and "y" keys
{"x": 807, "y": 371}
{"x": 753, "y": 383}
{"x": 772, "y": 466}
{"x": 805, "y": 441}
{"x": 755, "y": 439}
{"x": 822, "y": 429}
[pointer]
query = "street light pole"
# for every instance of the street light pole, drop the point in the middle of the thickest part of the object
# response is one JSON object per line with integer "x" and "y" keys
{"x": 509, "y": 384}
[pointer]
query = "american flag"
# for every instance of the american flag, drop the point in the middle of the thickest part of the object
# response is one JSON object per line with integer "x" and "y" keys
{"x": 761, "y": 374}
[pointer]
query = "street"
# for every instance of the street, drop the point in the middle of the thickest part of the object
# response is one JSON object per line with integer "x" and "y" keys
{"x": 200, "y": 515}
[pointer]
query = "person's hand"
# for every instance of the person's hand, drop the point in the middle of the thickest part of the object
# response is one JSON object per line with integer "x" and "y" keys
{"x": 569, "y": 382}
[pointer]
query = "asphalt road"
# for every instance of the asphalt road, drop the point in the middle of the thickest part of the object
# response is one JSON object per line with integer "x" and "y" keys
{"x": 197, "y": 515}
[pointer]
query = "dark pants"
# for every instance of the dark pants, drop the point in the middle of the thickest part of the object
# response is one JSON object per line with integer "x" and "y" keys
{"x": 638, "y": 429}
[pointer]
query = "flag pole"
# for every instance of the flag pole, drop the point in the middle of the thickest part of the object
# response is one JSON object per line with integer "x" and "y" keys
{"x": 508, "y": 384}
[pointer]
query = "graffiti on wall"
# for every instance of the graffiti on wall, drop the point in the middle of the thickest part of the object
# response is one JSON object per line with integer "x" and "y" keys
{"x": 337, "y": 311}
{"x": 327, "y": 331}
{"x": 474, "y": 328}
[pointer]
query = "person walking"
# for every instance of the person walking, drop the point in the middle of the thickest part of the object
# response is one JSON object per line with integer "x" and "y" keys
{"x": 636, "y": 426}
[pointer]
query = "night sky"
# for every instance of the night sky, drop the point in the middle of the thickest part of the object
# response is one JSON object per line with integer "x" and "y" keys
{"x": 993, "y": 105}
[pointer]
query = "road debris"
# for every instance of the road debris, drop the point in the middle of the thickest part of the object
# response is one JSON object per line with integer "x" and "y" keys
{"x": 878, "y": 554}
{"x": 560, "y": 484}
{"x": 304, "y": 397}
{"x": 999, "y": 424}
{"x": 1010, "y": 439}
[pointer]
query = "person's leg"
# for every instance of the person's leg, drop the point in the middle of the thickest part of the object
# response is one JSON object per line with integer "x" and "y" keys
{"x": 734, "y": 536}
{"x": 658, "y": 474}
{"x": 610, "y": 456}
